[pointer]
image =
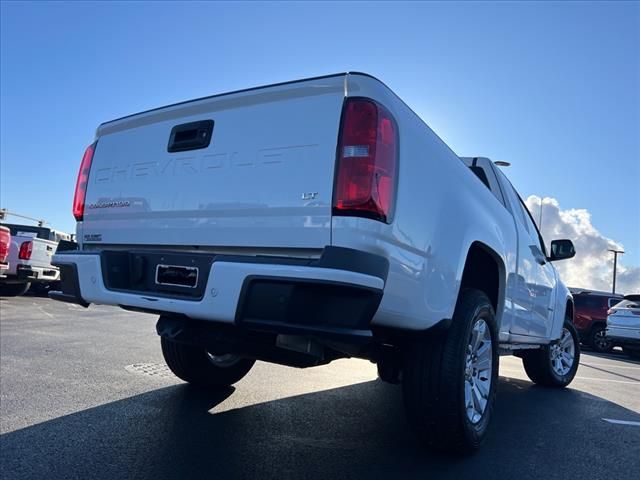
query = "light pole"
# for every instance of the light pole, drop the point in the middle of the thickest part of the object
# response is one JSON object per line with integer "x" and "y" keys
{"x": 615, "y": 265}
{"x": 540, "y": 217}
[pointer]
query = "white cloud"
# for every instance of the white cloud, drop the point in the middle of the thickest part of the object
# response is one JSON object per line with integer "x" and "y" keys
{"x": 592, "y": 267}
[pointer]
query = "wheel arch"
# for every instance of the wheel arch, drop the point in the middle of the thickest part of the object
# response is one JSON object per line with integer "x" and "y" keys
{"x": 596, "y": 324}
{"x": 569, "y": 310}
{"x": 484, "y": 269}
{"x": 563, "y": 308}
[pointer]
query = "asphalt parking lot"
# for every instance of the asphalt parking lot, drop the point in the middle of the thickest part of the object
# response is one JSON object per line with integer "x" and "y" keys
{"x": 84, "y": 394}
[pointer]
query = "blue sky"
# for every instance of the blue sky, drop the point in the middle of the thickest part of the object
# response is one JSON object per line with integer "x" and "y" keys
{"x": 553, "y": 88}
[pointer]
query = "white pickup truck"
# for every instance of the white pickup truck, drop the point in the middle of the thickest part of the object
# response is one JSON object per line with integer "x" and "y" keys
{"x": 29, "y": 259}
{"x": 319, "y": 219}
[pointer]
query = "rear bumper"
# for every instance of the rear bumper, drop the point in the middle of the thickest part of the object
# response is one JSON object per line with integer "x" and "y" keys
{"x": 624, "y": 336}
{"x": 337, "y": 294}
{"x": 30, "y": 273}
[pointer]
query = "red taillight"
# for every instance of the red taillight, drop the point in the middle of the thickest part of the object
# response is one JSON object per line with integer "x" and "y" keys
{"x": 81, "y": 183}
{"x": 5, "y": 242}
{"x": 25, "y": 250}
{"x": 367, "y": 161}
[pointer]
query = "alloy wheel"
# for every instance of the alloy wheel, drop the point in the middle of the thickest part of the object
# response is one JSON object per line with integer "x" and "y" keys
{"x": 601, "y": 341}
{"x": 478, "y": 370}
{"x": 225, "y": 360}
{"x": 563, "y": 353}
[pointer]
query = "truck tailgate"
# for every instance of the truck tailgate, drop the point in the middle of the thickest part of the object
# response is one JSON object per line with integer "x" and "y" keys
{"x": 265, "y": 179}
{"x": 41, "y": 251}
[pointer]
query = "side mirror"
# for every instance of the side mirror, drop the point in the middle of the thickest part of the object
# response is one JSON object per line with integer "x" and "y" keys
{"x": 561, "y": 250}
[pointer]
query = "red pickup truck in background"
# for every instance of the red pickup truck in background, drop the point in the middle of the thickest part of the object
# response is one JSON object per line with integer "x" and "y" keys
{"x": 5, "y": 243}
{"x": 591, "y": 317}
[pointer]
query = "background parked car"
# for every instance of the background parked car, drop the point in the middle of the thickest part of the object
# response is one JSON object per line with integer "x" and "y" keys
{"x": 30, "y": 252}
{"x": 623, "y": 325}
{"x": 591, "y": 317}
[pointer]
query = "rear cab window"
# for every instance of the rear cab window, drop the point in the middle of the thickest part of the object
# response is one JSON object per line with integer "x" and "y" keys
{"x": 483, "y": 169}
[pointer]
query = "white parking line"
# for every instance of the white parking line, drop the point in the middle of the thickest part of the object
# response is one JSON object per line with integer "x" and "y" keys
{"x": 606, "y": 380}
{"x": 622, "y": 422}
{"x": 635, "y": 367}
{"x": 45, "y": 312}
{"x": 507, "y": 371}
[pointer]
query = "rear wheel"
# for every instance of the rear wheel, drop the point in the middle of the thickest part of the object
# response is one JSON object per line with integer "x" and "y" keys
{"x": 14, "y": 289}
{"x": 40, "y": 288}
{"x": 197, "y": 366}
{"x": 449, "y": 380}
{"x": 598, "y": 340}
{"x": 556, "y": 364}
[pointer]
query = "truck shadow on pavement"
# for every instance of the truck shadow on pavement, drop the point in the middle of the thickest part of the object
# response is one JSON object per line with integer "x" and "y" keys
{"x": 615, "y": 355}
{"x": 357, "y": 431}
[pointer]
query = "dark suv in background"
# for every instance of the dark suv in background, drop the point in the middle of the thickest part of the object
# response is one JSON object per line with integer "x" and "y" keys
{"x": 591, "y": 317}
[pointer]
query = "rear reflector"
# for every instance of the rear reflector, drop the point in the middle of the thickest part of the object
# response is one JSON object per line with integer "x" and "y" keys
{"x": 25, "y": 250}
{"x": 81, "y": 183}
{"x": 367, "y": 161}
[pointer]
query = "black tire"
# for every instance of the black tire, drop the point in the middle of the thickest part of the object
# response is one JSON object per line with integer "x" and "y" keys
{"x": 598, "y": 340}
{"x": 195, "y": 366}
{"x": 434, "y": 379}
{"x": 389, "y": 372}
{"x": 633, "y": 352}
{"x": 538, "y": 363}
{"x": 14, "y": 289}
{"x": 40, "y": 288}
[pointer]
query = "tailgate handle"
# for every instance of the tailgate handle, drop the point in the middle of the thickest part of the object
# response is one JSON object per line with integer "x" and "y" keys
{"x": 190, "y": 136}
